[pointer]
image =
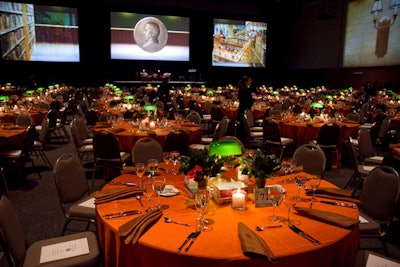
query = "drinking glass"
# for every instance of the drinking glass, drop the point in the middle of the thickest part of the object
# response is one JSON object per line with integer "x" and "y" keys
{"x": 314, "y": 182}
{"x": 290, "y": 201}
{"x": 159, "y": 183}
{"x": 152, "y": 165}
{"x": 167, "y": 160}
{"x": 288, "y": 165}
{"x": 140, "y": 169}
{"x": 300, "y": 181}
{"x": 174, "y": 157}
{"x": 275, "y": 195}
{"x": 148, "y": 191}
{"x": 202, "y": 197}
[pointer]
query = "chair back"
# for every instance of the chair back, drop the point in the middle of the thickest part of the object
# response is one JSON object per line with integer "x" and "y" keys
{"x": 312, "y": 158}
{"x": 249, "y": 117}
{"x": 146, "y": 148}
{"x": 82, "y": 127}
{"x": 221, "y": 129}
{"x": 70, "y": 179}
{"x": 328, "y": 135}
{"x": 106, "y": 147}
{"x": 76, "y": 136}
{"x": 12, "y": 237}
{"x": 383, "y": 131}
{"x": 29, "y": 140}
{"x": 194, "y": 117}
{"x": 43, "y": 131}
{"x": 24, "y": 119}
{"x": 177, "y": 140}
{"x": 365, "y": 146}
{"x": 271, "y": 132}
{"x": 91, "y": 117}
{"x": 380, "y": 193}
{"x": 52, "y": 115}
{"x": 353, "y": 116}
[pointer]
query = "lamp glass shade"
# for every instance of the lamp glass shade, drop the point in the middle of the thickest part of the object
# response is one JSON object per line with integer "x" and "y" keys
{"x": 225, "y": 148}
{"x": 317, "y": 105}
{"x": 150, "y": 107}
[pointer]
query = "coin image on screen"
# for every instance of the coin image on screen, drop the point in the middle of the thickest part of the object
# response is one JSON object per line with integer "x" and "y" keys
{"x": 150, "y": 34}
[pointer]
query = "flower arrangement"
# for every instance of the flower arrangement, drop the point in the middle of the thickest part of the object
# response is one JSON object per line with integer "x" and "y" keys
{"x": 260, "y": 166}
{"x": 201, "y": 165}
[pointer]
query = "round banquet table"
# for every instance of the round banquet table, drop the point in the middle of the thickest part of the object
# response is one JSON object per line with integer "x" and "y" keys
{"x": 37, "y": 116}
{"x": 12, "y": 135}
{"x": 302, "y": 132}
{"x": 128, "y": 134}
{"x": 221, "y": 246}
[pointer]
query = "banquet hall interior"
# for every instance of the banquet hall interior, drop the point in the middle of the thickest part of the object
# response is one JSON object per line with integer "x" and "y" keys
{"x": 81, "y": 71}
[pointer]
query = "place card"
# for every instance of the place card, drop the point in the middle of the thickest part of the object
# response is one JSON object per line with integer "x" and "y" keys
{"x": 261, "y": 197}
{"x": 64, "y": 250}
{"x": 378, "y": 261}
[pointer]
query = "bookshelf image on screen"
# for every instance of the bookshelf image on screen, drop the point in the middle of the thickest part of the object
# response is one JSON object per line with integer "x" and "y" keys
{"x": 149, "y": 37}
{"x": 239, "y": 43}
{"x": 31, "y": 32}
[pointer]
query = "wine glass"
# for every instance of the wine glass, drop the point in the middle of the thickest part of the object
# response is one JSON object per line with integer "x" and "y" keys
{"x": 288, "y": 165}
{"x": 290, "y": 201}
{"x": 166, "y": 159}
{"x": 174, "y": 157}
{"x": 300, "y": 181}
{"x": 314, "y": 182}
{"x": 140, "y": 169}
{"x": 202, "y": 197}
{"x": 159, "y": 183}
{"x": 148, "y": 191}
{"x": 275, "y": 195}
{"x": 152, "y": 165}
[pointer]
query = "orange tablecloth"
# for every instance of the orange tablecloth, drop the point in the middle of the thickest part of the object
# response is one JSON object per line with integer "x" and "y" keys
{"x": 221, "y": 245}
{"x": 130, "y": 134}
{"x": 13, "y": 137}
{"x": 302, "y": 132}
{"x": 37, "y": 116}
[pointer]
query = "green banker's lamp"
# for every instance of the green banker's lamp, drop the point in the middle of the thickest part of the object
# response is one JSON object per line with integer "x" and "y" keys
{"x": 225, "y": 148}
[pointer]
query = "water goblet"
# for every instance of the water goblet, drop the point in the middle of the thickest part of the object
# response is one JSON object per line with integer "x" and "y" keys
{"x": 140, "y": 169}
{"x": 148, "y": 191}
{"x": 167, "y": 160}
{"x": 202, "y": 197}
{"x": 314, "y": 182}
{"x": 174, "y": 157}
{"x": 159, "y": 183}
{"x": 300, "y": 181}
{"x": 152, "y": 165}
{"x": 290, "y": 201}
{"x": 288, "y": 165}
{"x": 275, "y": 195}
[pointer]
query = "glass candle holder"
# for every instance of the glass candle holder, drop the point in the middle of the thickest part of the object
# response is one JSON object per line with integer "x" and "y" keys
{"x": 239, "y": 199}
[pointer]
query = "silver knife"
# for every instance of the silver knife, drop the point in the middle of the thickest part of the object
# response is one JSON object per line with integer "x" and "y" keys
{"x": 186, "y": 240}
{"x": 193, "y": 239}
{"x": 341, "y": 204}
{"x": 303, "y": 234}
{"x": 121, "y": 214}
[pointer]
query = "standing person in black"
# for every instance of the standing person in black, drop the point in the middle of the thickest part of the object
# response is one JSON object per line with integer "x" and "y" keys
{"x": 163, "y": 90}
{"x": 245, "y": 102}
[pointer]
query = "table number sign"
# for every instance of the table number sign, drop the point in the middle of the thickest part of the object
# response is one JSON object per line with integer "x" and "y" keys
{"x": 261, "y": 197}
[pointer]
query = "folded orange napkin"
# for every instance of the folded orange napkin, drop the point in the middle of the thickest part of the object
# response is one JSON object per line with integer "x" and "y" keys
{"x": 253, "y": 245}
{"x": 327, "y": 217}
{"x": 135, "y": 228}
{"x": 108, "y": 195}
{"x": 335, "y": 193}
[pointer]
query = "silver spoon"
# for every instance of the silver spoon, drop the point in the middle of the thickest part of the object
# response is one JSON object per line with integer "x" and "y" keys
{"x": 168, "y": 220}
{"x": 139, "y": 198}
{"x": 261, "y": 228}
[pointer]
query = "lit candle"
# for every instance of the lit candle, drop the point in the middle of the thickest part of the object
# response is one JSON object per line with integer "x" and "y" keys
{"x": 152, "y": 124}
{"x": 238, "y": 199}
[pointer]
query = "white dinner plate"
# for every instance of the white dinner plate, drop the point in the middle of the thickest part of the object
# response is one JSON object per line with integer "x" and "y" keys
{"x": 174, "y": 192}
